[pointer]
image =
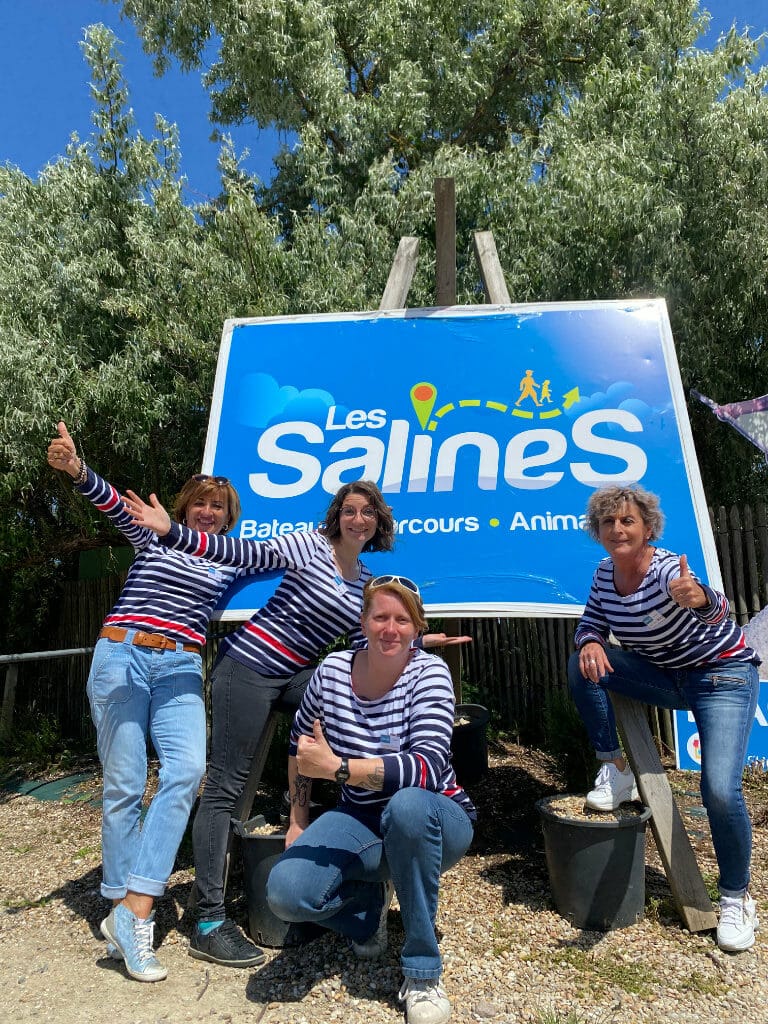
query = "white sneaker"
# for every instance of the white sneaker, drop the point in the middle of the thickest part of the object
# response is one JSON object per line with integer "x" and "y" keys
{"x": 425, "y": 1001}
{"x": 738, "y": 923}
{"x": 376, "y": 946}
{"x": 612, "y": 788}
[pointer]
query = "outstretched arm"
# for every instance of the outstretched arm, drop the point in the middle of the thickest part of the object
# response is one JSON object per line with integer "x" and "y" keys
{"x": 152, "y": 516}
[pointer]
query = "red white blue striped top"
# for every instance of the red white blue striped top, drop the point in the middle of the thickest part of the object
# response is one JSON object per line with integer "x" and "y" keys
{"x": 166, "y": 592}
{"x": 650, "y": 623}
{"x": 311, "y": 607}
{"x": 410, "y": 727}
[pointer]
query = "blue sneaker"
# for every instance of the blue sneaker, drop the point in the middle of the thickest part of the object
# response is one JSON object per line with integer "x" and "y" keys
{"x": 133, "y": 938}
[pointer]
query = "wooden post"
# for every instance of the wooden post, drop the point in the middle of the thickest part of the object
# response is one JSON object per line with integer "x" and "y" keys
{"x": 445, "y": 295}
{"x": 244, "y": 805}
{"x": 677, "y": 856}
{"x": 490, "y": 269}
{"x": 9, "y": 698}
{"x": 445, "y": 241}
{"x": 400, "y": 274}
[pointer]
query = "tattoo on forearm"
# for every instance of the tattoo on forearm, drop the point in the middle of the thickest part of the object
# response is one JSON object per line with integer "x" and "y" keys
{"x": 301, "y": 787}
{"x": 374, "y": 779}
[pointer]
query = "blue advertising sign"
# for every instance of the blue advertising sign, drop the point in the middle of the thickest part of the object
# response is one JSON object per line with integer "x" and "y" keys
{"x": 486, "y": 427}
{"x": 688, "y": 745}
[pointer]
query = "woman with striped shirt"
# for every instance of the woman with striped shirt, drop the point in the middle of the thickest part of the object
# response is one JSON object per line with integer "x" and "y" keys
{"x": 377, "y": 720}
{"x": 679, "y": 649}
{"x": 146, "y": 681}
{"x": 266, "y": 663}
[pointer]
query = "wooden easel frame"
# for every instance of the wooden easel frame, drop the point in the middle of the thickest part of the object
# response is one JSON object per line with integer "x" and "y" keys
{"x": 677, "y": 855}
{"x": 675, "y": 850}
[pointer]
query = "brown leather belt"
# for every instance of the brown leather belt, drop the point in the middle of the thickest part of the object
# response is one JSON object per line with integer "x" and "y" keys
{"x": 142, "y": 639}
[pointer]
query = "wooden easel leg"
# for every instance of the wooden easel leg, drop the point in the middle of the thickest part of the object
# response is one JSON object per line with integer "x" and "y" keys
{"x": 244, "y": 805}
{"x": 677, "y": 856}
{"x": 490, "y": 269}
{"x": 400, "y": 274}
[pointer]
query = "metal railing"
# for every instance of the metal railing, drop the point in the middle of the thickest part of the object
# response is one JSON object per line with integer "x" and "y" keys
{"x": 12, "y": 675}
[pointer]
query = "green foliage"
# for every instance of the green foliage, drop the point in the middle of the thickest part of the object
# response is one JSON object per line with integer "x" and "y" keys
{"x": 565, "y": 738}
{"x": 609, "y": 156}
{"x": 597, "y": 973}
{"x": 111, "y": 309}
{"x": 571, "y": 1017}
{"x": 36, "y": 744}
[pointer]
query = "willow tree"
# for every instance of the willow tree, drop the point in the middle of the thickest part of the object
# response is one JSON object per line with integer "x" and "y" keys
{"x": 610, "y": 156}
{"x": 113, "y": 292}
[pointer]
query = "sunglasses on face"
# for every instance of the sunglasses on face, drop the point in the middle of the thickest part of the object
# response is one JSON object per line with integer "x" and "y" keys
{"x": 220, "y": 481}
{"x": 349, "y": 513}
{"x": 382, "y": 581}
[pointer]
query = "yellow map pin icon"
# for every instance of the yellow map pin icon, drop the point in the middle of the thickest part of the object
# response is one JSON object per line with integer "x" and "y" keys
{"x": 423, "y": 397}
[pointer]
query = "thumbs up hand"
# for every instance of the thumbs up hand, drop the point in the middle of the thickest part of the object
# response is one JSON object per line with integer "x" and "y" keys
{"x": 62, "y": 453}
{"x": 314, "y": 758}
{"x": 684, "y": 590}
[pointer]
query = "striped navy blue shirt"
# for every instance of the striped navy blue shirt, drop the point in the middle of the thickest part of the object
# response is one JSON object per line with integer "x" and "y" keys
{"x": 312, "y": 606}
{"x": 650, "y": 623}
{"x": 410, "y": 727}
{"x": 166, "y": 592}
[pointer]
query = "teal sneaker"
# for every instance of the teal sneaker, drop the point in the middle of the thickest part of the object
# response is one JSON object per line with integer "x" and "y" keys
{"x": 133, "y": 938}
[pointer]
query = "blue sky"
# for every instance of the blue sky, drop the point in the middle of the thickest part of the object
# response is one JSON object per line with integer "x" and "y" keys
{"x": 44, "y": 94}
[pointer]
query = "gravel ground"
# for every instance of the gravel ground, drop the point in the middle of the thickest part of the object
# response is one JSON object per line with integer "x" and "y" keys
{"x": 509, "y": 957}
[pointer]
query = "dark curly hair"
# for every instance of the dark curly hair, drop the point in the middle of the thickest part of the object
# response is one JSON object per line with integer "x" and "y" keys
{"x": 384, "y": 538}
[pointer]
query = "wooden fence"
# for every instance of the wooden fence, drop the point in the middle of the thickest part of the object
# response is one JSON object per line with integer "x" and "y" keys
{"x": 514, "y": 666}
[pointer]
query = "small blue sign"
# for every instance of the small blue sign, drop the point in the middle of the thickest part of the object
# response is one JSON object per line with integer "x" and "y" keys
{"x": 688, "y": 745}
{"x": 486, "y": 428}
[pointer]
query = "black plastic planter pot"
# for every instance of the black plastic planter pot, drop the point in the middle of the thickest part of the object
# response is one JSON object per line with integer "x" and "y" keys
{"x": 260, "y": 852}
{"x": 596, "y": 866}
{"x": 469, "y": 743}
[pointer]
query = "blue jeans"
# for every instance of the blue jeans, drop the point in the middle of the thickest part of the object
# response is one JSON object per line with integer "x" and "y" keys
{"x": 722, "y": 697}
{"x": 332, "y": 873}
{"x": 137, "y": 692}
{"x": 241, "y": 703}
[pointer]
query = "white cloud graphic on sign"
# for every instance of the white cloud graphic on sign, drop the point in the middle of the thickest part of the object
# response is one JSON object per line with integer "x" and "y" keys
{"x": 261, "y": 401}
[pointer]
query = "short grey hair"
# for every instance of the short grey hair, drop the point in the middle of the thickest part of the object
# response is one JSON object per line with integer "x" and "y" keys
{"x": 607, "y": 500}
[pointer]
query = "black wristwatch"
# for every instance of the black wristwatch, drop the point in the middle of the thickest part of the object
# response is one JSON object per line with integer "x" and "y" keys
{"x": 342, "y": 775}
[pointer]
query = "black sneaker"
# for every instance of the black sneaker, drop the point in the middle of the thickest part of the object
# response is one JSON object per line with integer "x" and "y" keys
{"x": 226, "y": 945}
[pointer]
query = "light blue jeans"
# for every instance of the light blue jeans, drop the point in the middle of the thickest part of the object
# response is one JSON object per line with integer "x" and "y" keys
{"x": 722, "y": 697}
{"x": 137, "y": 692}
{"x": 332, "y": 874}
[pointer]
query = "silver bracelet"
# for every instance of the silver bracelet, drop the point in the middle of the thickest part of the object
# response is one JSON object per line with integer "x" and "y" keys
{"x": 82, "y": 475}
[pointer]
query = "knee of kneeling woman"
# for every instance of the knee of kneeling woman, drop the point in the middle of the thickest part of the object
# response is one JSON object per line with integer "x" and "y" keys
{"x": 283, "y": 897}
{"x": 407, "y": 812}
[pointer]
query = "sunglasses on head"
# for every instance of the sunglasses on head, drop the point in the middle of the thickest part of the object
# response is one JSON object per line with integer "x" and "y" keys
{"x": 382, "y": 581}
{"x": 220, "y": 481}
